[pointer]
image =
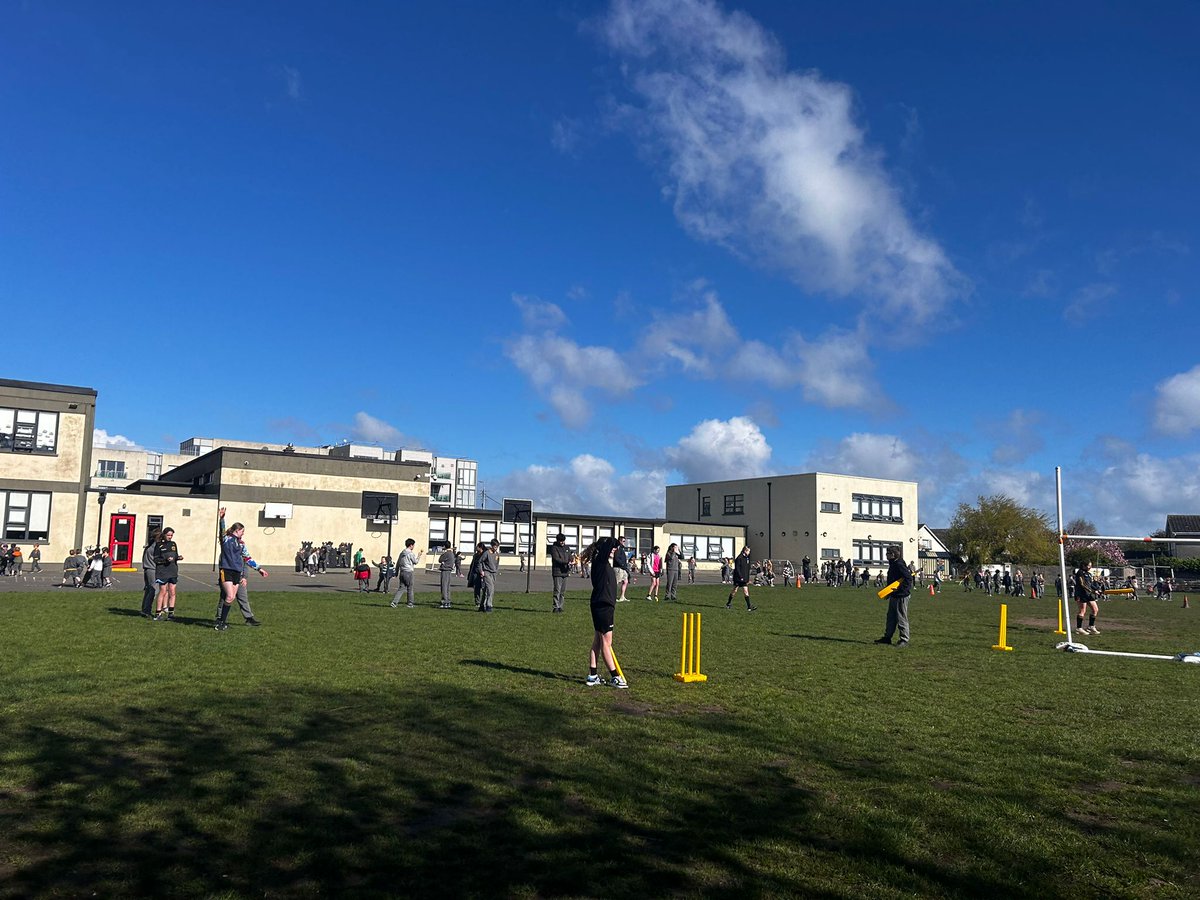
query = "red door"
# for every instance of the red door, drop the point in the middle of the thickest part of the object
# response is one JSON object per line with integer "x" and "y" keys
{"x": 120, "y": 539}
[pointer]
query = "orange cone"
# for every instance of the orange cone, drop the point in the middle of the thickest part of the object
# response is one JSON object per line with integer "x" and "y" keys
{"x": 931, "y": 590}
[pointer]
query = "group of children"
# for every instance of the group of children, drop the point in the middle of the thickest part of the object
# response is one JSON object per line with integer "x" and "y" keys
{"x": 91, "y": 569}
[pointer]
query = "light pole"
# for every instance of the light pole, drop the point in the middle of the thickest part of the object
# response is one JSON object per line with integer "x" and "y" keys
{"x": 100, "y": 498}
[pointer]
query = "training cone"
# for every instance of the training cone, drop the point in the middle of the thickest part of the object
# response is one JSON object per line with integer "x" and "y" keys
{"x": 931, "y": 590}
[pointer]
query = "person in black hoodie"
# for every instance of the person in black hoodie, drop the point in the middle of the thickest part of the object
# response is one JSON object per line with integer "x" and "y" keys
{"x": 560, "y": 568}
{"x": 741, "y": 579}
{"x": 897, "y": 612}
{"x": 604, "y": 606}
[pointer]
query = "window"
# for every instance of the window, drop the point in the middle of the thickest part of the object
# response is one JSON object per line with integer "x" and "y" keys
{"x": 110, "y": 468}
{"x": 465, "y": 476}
{"x": 587, "y": 535}
{"x": 831, "y": 553}
{"x": 466, "y": 497}
{"x": 153, "y": 466}
{"x": 734, "y": 504}
{"x": 466, "y": 535}
{"x": 706, "y": 506}
{"x": 702, "y": 546}
{"x": 439, "y": 492}
{"x": 25, "y": 515}
{"x": 28, "y": 431}
{"x": 827, "y": 506}
{"x": 487, "y": 531}
{"x": 872, "y": 552}
{"x": 437, "y": 533}
{"x": 153, "y": 522}
{"x": 878, "y": 509}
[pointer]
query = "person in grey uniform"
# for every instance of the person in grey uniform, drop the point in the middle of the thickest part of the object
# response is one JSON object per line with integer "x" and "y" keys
{"x": 446, "y": 570}
{"x": 406, "y": 566}
{"x": 674, "y": 567}
{"x": 149, "y": 588}
{"x": 489, "y": 568}
{"x": 560, "y": 568}
{"x": 242, "y": 595}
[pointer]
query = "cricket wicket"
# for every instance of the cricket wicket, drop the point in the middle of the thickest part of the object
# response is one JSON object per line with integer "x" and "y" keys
{"x": 689, "y": 651}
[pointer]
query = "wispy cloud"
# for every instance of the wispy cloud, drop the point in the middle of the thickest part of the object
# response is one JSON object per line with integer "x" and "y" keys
{"x": 1088, "y": 302}
{"x": 589, "y": 484}
{"x": 539, "y": 314}
{"x": 1177, "y": 405}
{"x": 371, "y": 430}
{"x": 769, "y": 162}
{"x": 293, "y": 84}
{"x": 565, "y": 373}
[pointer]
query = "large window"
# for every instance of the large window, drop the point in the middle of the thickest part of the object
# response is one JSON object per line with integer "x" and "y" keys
{"x": 487, "y": 531}
{"x": 110, "y": 468}
{"x": 735, "y": 504}
{"x": 878, "y": 509}
{"x": 872, "y": 552}
{"x": 25, "y": 515}
{"x": 703, "y": 547}
{"x": 467, "y": 535}
{"x": 437, "y": 533}
{"x": 514, "y": 537}
{"x": 28, "y": 431}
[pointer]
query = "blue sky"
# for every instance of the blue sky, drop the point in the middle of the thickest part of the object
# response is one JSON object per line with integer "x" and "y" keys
{"x": 603, "y": 247}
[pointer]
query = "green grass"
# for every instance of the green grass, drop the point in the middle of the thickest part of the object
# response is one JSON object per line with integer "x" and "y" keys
{"x": 350, "y": 749}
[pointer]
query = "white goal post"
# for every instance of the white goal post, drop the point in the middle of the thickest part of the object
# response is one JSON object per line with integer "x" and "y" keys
{"x": 1063, "y": 537}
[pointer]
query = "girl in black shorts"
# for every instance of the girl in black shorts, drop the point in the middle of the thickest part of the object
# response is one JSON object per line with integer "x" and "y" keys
{"x": 604, "y": 604}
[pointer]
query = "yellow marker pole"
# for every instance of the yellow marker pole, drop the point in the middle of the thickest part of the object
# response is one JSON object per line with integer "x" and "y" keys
{"x": 887, "y": 590}
{"x": 1003, "y": 645}
{"x": 1060, "y": 622}
{"x": 698, "y": 669}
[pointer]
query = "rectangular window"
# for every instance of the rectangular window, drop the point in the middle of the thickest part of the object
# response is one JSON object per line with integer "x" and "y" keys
{"x": 827, "y": 506}
{"x": 153, "y": 466}
{"x": 872, "y": 552}
{"x": 830, "y": 553}
{"x": 870, "y": 508}
{"x": 110, "y": 468}
{"x": 437, "y": 533}
{"x": 153, "y": 522}
{"x": 466, "y": 498}
{"x": 508, "y": 538}
{"x": 25, "y": 515}
{"x": 28, "y": 431}
{"x": 706, "y": 506}
{"x": 604, "y": 531}
{"x": 487, "y": 531}
{"x": 466, "y": 535}
{"x": 718, "y": 548}
{"x": 734, "y": 504}
{"x": 587, "y": 535}
{"x": 465, "y": 476}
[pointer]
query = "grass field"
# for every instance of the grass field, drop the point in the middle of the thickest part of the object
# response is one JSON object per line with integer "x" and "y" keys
{"x": 350, "y": 749}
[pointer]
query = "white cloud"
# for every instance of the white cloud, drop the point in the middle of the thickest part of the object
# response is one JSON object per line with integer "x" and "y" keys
{"x": 871, "y": 455}
{"x": 771, "y": 163}
{"x": 537, "y": 314}
{"x": 101, "y": 438}
{"x": 371, "y": 430}
{"x": 1088, "y": 302}
{"x": 564, "y": 372}
{"x": 716, "y": 450}
{"x": 1177, "y": 407}
{"x": 591, "y": 485}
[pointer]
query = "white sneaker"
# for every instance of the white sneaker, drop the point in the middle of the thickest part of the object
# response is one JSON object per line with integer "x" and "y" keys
{"x": 1092, "y": 629}
{"x": 1082, "y": 629}
{"x": 619, "y": 682}
{"x": 594, "y": 681}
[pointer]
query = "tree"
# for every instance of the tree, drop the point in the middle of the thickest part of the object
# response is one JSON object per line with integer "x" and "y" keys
{"x": 999, "y": 530}
{"x": 1106, "y": 553}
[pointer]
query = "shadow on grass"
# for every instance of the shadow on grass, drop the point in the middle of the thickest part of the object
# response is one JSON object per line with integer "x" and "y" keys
{"x": 823, "y": 637}
{"x": 519, "y": 670}
{"x": 437, "y": 790}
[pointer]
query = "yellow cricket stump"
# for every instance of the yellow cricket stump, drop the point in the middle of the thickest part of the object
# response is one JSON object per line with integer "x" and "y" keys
{"x": 1060, "y": 621}
{"x": 1003, "y": 645}
{"x": 887, "y": 590}
{"x": 616, "y": 662}
{"x": 689, "y": 650}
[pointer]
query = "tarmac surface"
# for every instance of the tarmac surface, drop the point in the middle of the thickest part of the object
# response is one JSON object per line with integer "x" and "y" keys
{"x": 204, "y": 578}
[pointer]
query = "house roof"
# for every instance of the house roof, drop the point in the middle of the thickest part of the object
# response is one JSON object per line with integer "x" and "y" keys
{"x": 1178, "y": 526}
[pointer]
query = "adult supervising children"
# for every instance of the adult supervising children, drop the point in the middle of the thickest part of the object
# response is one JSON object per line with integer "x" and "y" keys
{"x": 741, "y": 579}
{"x": 600, "y": 556}
{"x": 406, "y": 568}
{"x": 897, "y": 611}
{"x": 489, "y": 568}
{"x": 149, "y": 588}
{"x": 1085, "y": 594}
{"x": 560, "y": 568}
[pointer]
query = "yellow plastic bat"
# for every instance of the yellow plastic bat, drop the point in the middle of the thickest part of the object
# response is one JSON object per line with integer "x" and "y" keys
{"x": 887, "y": 590}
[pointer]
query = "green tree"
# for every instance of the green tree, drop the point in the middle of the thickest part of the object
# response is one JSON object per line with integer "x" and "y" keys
{"x": 1000, "y": 530}
{"x": 1079, "y": 552}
